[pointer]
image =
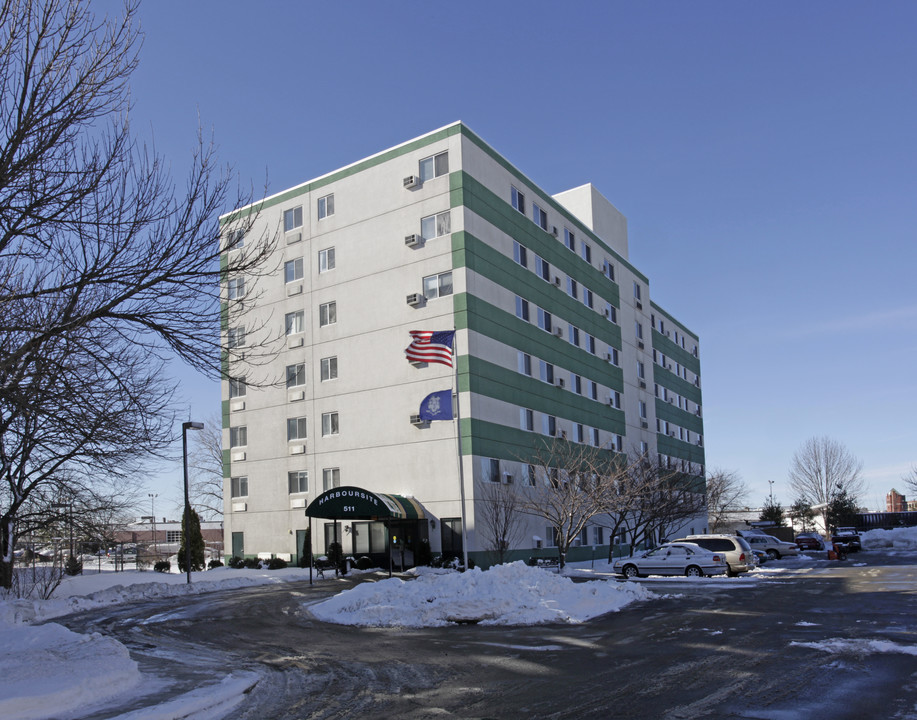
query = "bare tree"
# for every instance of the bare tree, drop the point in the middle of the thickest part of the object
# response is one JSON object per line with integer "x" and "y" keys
{"x": 499, "y": 513}
{"x": 568, "y": 487}
{"x": 726, "y": 496}
{"x": 105, "y": 269}
{"x": 910, "y": 479}
{"x": 821, "y": 470}
{"x": 205, "y": 468}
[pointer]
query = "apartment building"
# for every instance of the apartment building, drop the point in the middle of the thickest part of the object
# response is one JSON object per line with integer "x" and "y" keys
{"x": 556, "y": 335}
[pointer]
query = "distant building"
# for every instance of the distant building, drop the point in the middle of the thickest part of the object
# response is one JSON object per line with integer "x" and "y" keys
{"x": 895, "y": 502}
{"x": 165, "y": 533}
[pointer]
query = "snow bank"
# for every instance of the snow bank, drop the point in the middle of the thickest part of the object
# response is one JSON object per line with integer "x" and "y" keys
{"x": 66, "y": 670}
{"x": 512, "y": 594}
{"x": 898, "y": 539}
{"x": 838, "y": 646}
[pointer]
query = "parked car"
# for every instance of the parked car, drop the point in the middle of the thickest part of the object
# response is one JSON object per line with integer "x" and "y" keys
{"x": 774, "y": 548}
{"x": 739, "y": 557}
{"x": 849, "y": 537}
{"x": 760, "y": 556}
{"x": 676, "y": 558}
{"x": 810, "y": 541}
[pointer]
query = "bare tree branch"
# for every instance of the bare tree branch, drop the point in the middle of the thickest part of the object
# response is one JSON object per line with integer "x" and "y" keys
{"x": 822, "y": 469}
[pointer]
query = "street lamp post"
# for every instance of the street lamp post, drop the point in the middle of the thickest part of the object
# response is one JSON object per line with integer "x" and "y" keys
{"x": 153, "y": 497}
{"x": 185, "y": 427}
{"x": 772, "y": 491}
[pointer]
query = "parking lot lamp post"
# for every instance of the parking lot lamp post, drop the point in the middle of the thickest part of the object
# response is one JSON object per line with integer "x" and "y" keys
{"x": 185, "y": 427}
{"x": 153, "y": 497}
{"x": 69, "y": 508}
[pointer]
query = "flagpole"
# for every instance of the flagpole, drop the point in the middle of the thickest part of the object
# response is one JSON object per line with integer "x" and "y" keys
{"x": 458, "y": 447}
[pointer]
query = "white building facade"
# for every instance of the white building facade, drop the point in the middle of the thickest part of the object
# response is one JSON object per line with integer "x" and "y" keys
{"x": 556, "y": 334}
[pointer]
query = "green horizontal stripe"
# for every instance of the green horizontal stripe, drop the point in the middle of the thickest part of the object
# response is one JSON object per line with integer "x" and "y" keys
{"x": 682, "y": 418}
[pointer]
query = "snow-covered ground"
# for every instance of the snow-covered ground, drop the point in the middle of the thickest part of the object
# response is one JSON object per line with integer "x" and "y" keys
{"x": 47, "y": 670}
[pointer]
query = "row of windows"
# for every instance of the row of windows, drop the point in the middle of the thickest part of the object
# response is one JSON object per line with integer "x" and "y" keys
{"x": 576, "y": 290}
{"x": 663, "y": 393}
{"x": 297, "y": 482}
{"x": 540, "y": 218}
{"x": 548, "y": 373}
{"x": 295, "y": 376}
{"x": 675, "y": 367}
{"x": 297, "y": 429}
{"x": 575, "y": 336}
{"x": 670, "y": 429}
{"x": 679, "y": 339}
{"x": 292, "y": 217}
{"x": 686, "y": 466}
{"x": 578, "y": 432}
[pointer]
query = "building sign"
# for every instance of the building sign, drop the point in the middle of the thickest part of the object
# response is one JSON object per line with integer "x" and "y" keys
{"x": 353, "y": 503}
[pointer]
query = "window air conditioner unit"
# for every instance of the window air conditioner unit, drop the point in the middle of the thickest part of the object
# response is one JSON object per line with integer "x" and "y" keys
{"x": 411, "y": 181}
{"x": 638, "y": 304}
{"x": 554, "y": 230}
{"x": 608, "y": 357}
{"x": 640, "y": 344}
{"x": 414, "y": 299}
{"x": 611, "y": 401}
{"x": 507, "y": 479}
{"x": 671, "y": 434}
{"x": 671, "y": 401}
{"x": 560, "y": 382}
{"x": 643, "y": 385}
{"x": 293, "y": 237}
{"x": 606, "y": 313}
{"x": 413, "y": 240}
{"x": 644, "y": 424}
{"x": 415, "y": 420}
{"x": 557, "y": 281}
{"x": 558, "y": 332}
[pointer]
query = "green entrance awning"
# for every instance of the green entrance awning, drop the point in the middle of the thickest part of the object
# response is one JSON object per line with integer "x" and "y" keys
{"x": 353, "y": 503}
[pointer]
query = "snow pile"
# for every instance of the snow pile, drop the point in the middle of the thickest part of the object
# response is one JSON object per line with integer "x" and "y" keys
{"x": 904, "y": 538}
{"x": 66, "y": 670}
{"x": 513, "y": 594}
{"x": 837, "y": 646}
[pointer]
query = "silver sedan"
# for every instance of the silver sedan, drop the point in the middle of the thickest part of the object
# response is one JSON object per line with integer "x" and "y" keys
{"x": 681, "y": 558}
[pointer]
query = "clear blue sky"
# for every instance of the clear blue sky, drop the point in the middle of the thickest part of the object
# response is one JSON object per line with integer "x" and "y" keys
{"x": 765, "y": 155}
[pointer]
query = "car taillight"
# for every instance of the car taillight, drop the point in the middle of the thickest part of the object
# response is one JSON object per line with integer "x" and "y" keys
{"x": 717, "y": 558}
{"x": 742, "y": 557}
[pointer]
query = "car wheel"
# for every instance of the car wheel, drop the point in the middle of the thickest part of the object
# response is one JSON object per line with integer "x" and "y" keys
{"x": 630, "y": 571}
{"x": 694, "y": 571}
{"x": 773, "y": 554}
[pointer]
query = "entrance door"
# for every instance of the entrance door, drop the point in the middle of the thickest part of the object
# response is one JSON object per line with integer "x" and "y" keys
{"x": 302, "y": 554}
{"x": 238, "y": 544}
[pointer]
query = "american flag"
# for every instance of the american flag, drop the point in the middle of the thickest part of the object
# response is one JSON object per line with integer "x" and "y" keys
{"x": 430, "y": 347}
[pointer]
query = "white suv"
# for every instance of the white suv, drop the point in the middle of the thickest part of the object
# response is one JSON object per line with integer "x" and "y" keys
{"x": 739, "y": 556}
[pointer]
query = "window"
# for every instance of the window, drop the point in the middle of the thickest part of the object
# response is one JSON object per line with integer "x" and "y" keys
{"x": 642, "y": 407}
{"x": 434, "y": 166}
{"x": 544, "y": 320}
{"x": 522, "y": 308}
{"x": 547, "y": 372}
{"x": 525, "y": 364}
{"x": 576, "y": 383}
{"x": 292, "y": 270}
{"x": 235, "y": 288}
{"x": 298, "y": 481}
{"x": 326, "y": 206}
{"x": 574, "y": 335}
{"x": 609, "y": 270}
{"x": 614, "y": 399}
{"x": 235, "y": 337}
{"x": 329, "y": 368}
{"x": 434, "y": 226}
{"x": 173, "y": 536}
{"x": 329, "y": 424}
{"x": 572, "y": 287}
{"x": 578, "y": 433}
{"x": 235, "y": 239}
{"x": 587, "y": 298}
{"x": 590, "y": 343}
{"x": 587, "y": 253}
{"x": 296, "y": 429}
{"x": 641, "y": 371}
{"x": 296, "y": 375}
{"x": 292, "y": 218}
{"x": 327, "y": 313}
{"x": 569, "y": 239}
{"x": 435, "y": 286}
{"x": 595, "y": 436}
{"x": 237, "y": 387}
{"x": 539, "y": 216}
{"x": 611, "y": 312}
{"x": 520, "y": 254}
{"x": 331, "y": 478}
{"x": 638, "y": 330}
{"x": 238, "y": 436}
{"x": 592, "y": 389}
{"x": 549, "y": 425}
{"x": 542, "y": 268}
{"x": 518, "y": 200}
{"x": 526, "y": 419}
{"x": 636, "y": 292}
{"x": 492, "y": 469}
{"x": 451, "y": 534}
{"x": 326, "y": 260}
{"x": 238, "y": 486}
{"x": 530, "y": 475}
{"x": 295, "y": 322}
{"x": 613, "y": 356}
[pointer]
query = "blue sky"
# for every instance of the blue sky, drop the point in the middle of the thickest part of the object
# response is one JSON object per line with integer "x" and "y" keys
{"x": 765, "y": 155}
